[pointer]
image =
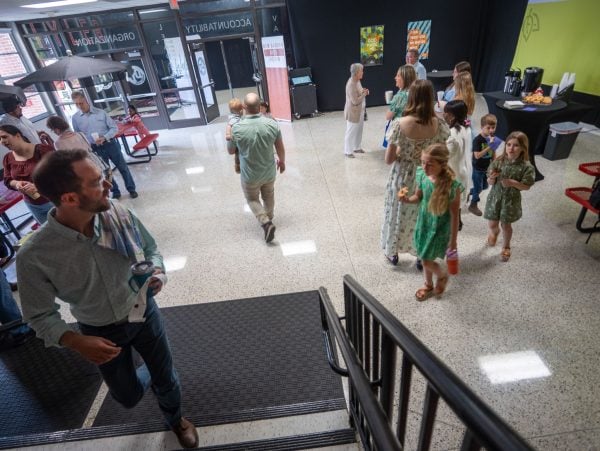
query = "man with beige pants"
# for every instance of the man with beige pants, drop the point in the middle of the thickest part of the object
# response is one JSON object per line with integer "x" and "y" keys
{"x": 254, "y": 136}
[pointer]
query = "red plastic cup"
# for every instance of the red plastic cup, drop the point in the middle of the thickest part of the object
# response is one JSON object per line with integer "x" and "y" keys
{"x": 452, "y": 261}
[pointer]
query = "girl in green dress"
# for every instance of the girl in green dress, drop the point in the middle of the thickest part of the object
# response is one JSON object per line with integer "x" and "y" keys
{"x": 508, "y": 175}
{"x": 438, "y": 195}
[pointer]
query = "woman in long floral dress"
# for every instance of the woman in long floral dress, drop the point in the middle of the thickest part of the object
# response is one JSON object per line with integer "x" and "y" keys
{"x": 416, "y": 130}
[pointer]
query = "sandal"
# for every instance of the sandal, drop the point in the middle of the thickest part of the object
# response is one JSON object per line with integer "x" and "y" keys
{"x": 440, "y": 287}
{"x": 491, "y": 240}
{"x": 424, "y": 292}
{"x": 505, "y": 254}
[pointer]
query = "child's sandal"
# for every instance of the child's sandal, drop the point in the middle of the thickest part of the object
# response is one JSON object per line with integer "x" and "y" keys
{"x": 440, "y": 287}
{"x": 505, "y": 254}
{"x": 424, "y": 293}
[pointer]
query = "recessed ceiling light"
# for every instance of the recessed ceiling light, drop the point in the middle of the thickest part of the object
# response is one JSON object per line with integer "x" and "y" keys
{"x": 57, "y": 3}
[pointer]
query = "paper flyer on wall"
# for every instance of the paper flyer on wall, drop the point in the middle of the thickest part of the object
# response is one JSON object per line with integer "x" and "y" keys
{"x": 371, "y": 45}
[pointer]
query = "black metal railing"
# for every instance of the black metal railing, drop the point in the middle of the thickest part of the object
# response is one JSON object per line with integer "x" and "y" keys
{"x": 369, "y": 344}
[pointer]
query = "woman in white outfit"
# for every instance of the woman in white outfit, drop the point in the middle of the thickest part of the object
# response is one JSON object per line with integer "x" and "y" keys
{"x": 459, "y": 145}
{"x": 354, "y": 111}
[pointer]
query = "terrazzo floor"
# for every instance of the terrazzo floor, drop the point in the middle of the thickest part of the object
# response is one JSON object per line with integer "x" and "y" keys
{"x": 542, "y": 306}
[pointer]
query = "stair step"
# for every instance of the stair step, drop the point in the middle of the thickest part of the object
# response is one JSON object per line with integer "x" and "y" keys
{"x": 296, "y": 442}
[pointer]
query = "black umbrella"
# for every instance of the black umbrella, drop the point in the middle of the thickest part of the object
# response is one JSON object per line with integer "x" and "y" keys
{"x": 71, "y": 67}
{"x": 8, "y": 91}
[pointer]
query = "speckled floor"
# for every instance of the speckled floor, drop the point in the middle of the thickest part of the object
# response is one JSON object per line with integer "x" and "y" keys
{"x": 543, "y": 305}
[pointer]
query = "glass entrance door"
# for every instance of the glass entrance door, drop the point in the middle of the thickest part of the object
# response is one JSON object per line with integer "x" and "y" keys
{"x": 205, "y": 82}
{"x": 138, "y": 90}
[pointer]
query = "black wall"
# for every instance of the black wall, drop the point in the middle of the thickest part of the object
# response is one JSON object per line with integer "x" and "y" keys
{"x": 325, "y": 37}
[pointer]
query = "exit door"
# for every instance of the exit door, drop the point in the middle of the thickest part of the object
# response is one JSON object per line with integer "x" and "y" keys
{"x": 205, "y": 82}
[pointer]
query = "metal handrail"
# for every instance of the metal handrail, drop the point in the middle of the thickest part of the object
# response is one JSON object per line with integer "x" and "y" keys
{"x": 484, "y": 427}
{"x": 374, "y": 415}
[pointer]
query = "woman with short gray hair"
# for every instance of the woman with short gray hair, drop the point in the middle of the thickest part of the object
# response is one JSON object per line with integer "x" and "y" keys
{"x": 354, "y": 111}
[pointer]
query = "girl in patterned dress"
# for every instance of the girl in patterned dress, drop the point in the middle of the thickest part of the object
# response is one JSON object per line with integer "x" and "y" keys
{"x": 508, "y": 175}
{"x": 438, "y": 195}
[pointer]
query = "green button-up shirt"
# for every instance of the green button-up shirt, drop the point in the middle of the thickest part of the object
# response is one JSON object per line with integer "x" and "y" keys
{"x": 58, "y": 261}
{"x": 254, "y": 136}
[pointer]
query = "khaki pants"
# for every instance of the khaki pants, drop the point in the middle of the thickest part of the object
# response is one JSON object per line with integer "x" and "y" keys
{"x": 253, "y": 191}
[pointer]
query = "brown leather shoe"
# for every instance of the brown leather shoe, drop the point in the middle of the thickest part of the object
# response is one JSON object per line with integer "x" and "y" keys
{"x": 186, "y": 434}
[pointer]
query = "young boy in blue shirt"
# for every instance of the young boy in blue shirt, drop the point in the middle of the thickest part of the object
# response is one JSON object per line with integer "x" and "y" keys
{"x": 485, "y": 146}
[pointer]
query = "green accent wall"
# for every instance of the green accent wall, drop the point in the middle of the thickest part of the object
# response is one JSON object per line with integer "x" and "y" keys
{"x": 562, "y": 36}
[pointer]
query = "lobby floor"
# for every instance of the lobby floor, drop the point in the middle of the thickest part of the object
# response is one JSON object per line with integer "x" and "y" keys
{"x": 533, "y": 319}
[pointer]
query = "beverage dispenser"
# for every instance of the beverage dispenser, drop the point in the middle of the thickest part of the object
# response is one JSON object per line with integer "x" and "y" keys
{"x": 532, "y": 79}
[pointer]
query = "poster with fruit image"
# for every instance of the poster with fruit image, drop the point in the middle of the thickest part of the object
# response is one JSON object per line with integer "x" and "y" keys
{"x": 371, "y": 45}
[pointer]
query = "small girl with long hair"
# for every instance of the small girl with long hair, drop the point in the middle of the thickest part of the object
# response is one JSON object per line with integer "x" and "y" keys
{"x": 438, "y": 196}
{"x": 135, "y": 120}
{"x": 508, "y": 175}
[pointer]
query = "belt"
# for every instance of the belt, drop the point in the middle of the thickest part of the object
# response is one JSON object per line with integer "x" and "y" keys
{"x": 116, "y": 323}
{"x": 120, "y": 322}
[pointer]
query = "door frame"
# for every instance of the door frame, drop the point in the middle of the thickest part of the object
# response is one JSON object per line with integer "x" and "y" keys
{"x": 153, "y": 123}
{"x": 211, "y": 112}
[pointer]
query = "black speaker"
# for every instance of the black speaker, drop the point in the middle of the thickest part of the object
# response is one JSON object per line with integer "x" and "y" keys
{"x": 304, "y": 100}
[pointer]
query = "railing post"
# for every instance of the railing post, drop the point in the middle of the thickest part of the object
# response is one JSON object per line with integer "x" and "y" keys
{"x": 388, "y": 370}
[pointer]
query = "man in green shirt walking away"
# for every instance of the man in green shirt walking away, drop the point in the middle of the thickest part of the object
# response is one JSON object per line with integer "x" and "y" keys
{"x": 255, "y": 136}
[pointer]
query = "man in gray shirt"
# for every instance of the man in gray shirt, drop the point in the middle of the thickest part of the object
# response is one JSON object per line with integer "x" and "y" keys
{"x": 412, "y": 58}
{"x": 254, "y": 136}
{"x": 82, "y": 256}
{"x": 100, "y": 131}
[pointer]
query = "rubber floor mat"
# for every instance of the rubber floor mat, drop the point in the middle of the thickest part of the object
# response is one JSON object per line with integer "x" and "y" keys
{"x": 241, "y": 360}
{"x": 44, "y": 390}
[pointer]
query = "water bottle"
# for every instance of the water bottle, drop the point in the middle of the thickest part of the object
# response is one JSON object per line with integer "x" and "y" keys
{"x": 452, "y": 261}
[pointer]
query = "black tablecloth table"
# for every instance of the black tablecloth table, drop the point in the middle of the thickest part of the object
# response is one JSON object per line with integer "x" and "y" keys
{"x": 440, "y": 79}
{"x": 574, "y": 112}
{"x": 533, "y": 120}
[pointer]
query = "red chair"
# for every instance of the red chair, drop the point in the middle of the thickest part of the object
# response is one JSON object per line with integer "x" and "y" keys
{"x": 144, "y": 144}
{"x": 8, "y": 199}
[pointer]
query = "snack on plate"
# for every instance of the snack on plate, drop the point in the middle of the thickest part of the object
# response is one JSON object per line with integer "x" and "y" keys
{"x": 403, "y": 192}
{"x": 537, "y": 99}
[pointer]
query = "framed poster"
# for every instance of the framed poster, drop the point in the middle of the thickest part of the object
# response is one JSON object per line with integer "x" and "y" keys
{"x": 371, "y": 45}
{"x": 418, "y": 36}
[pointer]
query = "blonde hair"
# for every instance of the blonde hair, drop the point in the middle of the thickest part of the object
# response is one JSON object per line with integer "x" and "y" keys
{"x": 523, "y": 141}
{"x": 408, "y": 75}
{"x": 420, "y": 102}
{"x": 235, "y": 105}
{"x": 488, "y": 119}
{"x": 465, "y": 90}
{"x": 440, "y": 198}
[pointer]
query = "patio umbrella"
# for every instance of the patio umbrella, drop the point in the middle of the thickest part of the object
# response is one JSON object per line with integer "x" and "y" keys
{"x": 8, "y": 91}
{"x": 71, "y": 67}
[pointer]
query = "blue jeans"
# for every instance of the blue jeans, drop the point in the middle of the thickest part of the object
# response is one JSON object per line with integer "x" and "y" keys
{"x": 40, "y": 212}
{"x": 150, "y": 340}
{"x": 111, "y": 151}
{"x": 9, "y": 310}
{"x": 479, "y": 184}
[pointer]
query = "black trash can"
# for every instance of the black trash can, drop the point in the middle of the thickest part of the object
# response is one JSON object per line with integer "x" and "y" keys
{"x": 561, "y": 138}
